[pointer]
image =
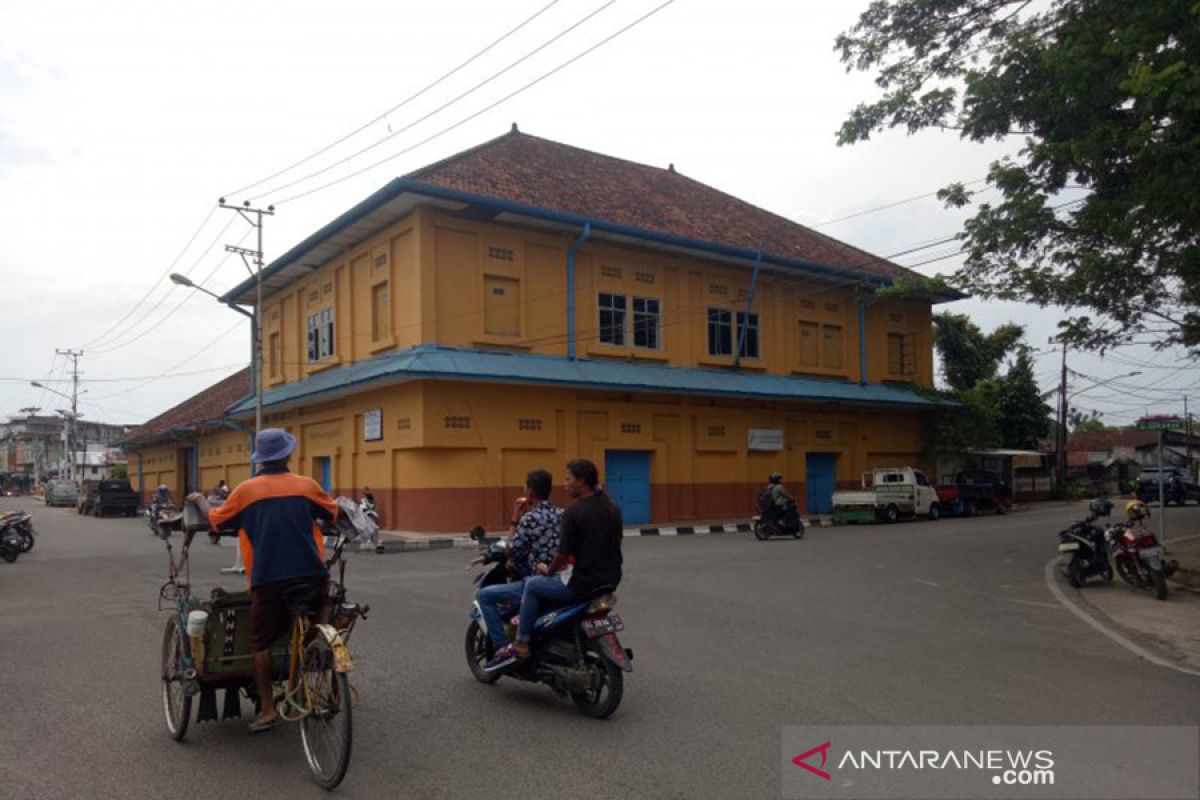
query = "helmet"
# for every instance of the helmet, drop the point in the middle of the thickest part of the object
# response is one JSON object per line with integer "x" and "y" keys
{"x": 162, "y": 487}
{"x": 1136, "y": 509}
{"x": 776, "y": 477}
{"x": 1101, "y": 507}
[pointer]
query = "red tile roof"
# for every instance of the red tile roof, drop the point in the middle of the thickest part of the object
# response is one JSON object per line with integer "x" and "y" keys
{"x": 204, "y": 406}
{"x": 1105, "y": 441}
{"x": 539, "y": 172}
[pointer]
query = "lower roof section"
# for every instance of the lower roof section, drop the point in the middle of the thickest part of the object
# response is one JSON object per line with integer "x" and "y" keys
{"x": 431, "y": 362}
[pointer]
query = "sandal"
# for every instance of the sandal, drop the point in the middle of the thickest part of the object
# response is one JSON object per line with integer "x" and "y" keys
{"x": 262, "y": 726}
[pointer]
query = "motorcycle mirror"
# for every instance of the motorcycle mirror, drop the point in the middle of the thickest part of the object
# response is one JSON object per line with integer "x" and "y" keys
{"x": 478, "y": 533}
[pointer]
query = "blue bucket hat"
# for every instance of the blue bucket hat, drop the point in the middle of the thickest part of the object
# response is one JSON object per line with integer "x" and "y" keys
{"x": 272, "y": 444}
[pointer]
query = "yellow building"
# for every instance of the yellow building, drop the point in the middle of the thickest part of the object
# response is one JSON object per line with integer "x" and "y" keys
{"x": 526, "y": 302}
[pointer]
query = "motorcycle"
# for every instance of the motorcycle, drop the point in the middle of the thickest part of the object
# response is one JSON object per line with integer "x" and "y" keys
{"x": 574, "y": 649}
{"x": 772, "y": 522}
{"x": 1138, "y": 557}
{"x": 12, "y": 543}
{"x": 163, "y": 516}
{"x": 21, "y": 523}
{"x": 1082, "y": 547}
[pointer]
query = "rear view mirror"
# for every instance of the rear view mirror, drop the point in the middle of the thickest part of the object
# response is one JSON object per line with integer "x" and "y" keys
{"x": 478, "y": 534}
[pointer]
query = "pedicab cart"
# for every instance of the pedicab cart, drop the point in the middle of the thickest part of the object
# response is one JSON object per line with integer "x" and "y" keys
{"x": 206, "y": 650}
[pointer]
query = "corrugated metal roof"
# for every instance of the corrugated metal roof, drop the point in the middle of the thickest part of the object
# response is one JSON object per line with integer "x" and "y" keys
{"x": 444, "y": 363}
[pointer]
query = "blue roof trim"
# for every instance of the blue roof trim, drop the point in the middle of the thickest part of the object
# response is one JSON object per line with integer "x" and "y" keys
{"x": 398, "y": 186}
{"x": 433, "y": 362}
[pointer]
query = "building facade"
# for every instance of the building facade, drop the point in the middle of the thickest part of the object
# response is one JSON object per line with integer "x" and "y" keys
{"x": 525, "y": 303}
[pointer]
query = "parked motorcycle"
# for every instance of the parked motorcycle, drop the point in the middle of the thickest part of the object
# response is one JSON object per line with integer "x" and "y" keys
{"x": 21, "y": 523}
{"x": 1137, "y": 554}
{"x": 574, "y": 649}
{"x": 772, "y": 522}
{"x": 1083, "y": 549}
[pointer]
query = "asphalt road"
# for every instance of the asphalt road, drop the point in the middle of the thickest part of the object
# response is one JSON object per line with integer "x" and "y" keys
{"x": 917, "y": 623}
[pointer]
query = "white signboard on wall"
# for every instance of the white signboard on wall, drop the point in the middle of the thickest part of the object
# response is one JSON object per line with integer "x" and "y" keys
{"x": 373, "y": 425}
{"x": 765, "y": 439}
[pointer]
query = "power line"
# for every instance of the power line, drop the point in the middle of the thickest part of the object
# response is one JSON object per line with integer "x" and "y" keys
{"x": 483, "y": 110}
{"x": 112, "y": 343}
{"x": 886, "y": 206}
{"x": 154, "y": 285}
{"x": 445, "y": 105}
{"x": 399, "y": 105}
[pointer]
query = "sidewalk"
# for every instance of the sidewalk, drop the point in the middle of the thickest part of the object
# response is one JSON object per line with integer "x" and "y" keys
{"x": 409, "y": 541}
{"x": 1172, "y": 625}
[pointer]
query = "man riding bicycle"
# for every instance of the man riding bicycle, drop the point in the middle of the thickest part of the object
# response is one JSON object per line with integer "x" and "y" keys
{"x": 282, "y": 548}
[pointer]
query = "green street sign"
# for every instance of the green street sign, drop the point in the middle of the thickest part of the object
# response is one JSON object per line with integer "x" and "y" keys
{"x": 1160, "y": 425}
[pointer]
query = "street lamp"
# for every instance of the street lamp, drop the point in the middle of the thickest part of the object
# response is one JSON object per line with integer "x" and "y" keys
{"x": 256, "y": 352}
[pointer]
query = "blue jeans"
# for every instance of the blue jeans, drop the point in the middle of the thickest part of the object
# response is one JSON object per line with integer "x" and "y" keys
{"x": 538, "y": 590}
{"x": 492, "y": 596}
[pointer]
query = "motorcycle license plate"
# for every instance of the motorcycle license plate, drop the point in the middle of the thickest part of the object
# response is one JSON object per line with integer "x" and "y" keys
{"x": 1067, "y": 547}
{"x": 1151, "y": 552}
{"x": 595, "y": 628}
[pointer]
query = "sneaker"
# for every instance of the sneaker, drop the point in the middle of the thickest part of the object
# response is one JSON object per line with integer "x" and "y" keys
{"x": 503, "y": 657}
{"x": 364, "y": 547}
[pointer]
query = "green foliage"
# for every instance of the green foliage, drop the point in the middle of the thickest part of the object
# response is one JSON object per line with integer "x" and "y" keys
{"x": 1106, "y": 97}
{"x": 968, "y": 355}
{"x": 969, "y": 425}
{"x": 920, "y": 287}
{"x": 118, "y": 472}
{"x": 1022, "y": 416}
{"x": 1079, "y": 422}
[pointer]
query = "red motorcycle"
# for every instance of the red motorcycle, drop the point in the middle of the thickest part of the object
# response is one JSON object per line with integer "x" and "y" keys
{"x": 1138, "y": 556}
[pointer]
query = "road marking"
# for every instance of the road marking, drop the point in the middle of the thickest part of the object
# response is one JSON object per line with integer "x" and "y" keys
{"x": 1132, "y": 647}
{"x": 989, "y": 595}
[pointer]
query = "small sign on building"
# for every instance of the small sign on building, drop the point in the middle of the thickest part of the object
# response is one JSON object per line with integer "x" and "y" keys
{"x": 373, "y": 425}
{"x": 765, "y": 439}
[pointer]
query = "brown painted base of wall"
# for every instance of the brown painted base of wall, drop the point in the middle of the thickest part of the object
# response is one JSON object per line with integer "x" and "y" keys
{"x": 459, "y": 510}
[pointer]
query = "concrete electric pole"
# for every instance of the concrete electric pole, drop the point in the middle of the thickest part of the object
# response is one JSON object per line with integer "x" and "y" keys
{"x": 74, "y": 355}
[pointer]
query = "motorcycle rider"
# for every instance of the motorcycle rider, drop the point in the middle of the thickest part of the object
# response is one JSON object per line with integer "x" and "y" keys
{"x": 217, "y": 497}
{"x": 783, "y": 505}
{"x": 532, "y": 547}
{"x": 592, "y": 530}
{"x": 282, "y": 547}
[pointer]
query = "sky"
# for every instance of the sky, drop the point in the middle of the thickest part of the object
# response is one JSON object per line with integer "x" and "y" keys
{"x": 122, "y": 124}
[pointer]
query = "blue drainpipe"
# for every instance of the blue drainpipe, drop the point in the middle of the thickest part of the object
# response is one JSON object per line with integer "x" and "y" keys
{"x": 862, "y": 340}
{"x": 587, "y": 231}
{"x": 741, "y": 347}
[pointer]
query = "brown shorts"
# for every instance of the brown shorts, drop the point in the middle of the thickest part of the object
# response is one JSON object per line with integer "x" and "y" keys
{"x": 269, "y": 612}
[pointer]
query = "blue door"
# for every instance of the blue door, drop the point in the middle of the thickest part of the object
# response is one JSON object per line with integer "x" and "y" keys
{"x": 324, "y": 473}
{"x": 822, "y": 476}
{"x": 627, "y": 480}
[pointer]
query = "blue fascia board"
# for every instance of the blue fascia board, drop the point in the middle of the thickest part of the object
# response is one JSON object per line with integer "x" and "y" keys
{"x": 398, "y": 186}
{"x": 430, "y": 362}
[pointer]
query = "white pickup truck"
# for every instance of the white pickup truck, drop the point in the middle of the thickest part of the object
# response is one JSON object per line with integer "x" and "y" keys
{"x": 887, "y": 494}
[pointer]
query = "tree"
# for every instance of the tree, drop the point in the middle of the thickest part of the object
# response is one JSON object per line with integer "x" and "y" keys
{"x": 1106, "y": 97}
{"x": 1022, "y": 416}
{"x": 968, "y": 355}
{"x": 1079, "y": 422}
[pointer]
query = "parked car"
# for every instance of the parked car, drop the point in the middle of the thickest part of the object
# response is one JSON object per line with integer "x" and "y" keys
{"x": 101, "y": 498}
{"x": 61, "y": 492}
{"x": 1178, "y": 486}
{"x": 972, "y": 492}
{"x": 887, "y": 495}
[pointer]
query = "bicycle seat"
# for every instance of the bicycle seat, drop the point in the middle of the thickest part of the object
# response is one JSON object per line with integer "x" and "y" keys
{"x": 301, "y": 599}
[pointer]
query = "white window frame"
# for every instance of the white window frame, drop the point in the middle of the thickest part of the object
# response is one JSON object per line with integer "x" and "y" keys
{"x": 618, "y": 329}
{"x": 645, "y": 314}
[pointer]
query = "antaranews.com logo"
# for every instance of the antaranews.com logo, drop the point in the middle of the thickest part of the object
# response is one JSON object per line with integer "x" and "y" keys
{"x": 1006, "y": 767}
{"x": 1159, "y": 762}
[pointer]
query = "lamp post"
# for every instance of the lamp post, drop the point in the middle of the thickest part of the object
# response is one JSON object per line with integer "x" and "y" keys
{"x": 256, "y": 350}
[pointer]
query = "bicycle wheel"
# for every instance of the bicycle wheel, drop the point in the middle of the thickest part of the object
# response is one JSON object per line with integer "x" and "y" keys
{"x": 327, "y": 731}
{"x": 176, "y": 702}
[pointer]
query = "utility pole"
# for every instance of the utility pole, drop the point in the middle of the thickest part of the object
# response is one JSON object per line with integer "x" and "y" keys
{"x": 1061, "y": 437}
{"x": 74, "y": 355}
{"x": 257, "y": 357}
{"x": 1187, "y": 422}
{"x": 256, "y": 321}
